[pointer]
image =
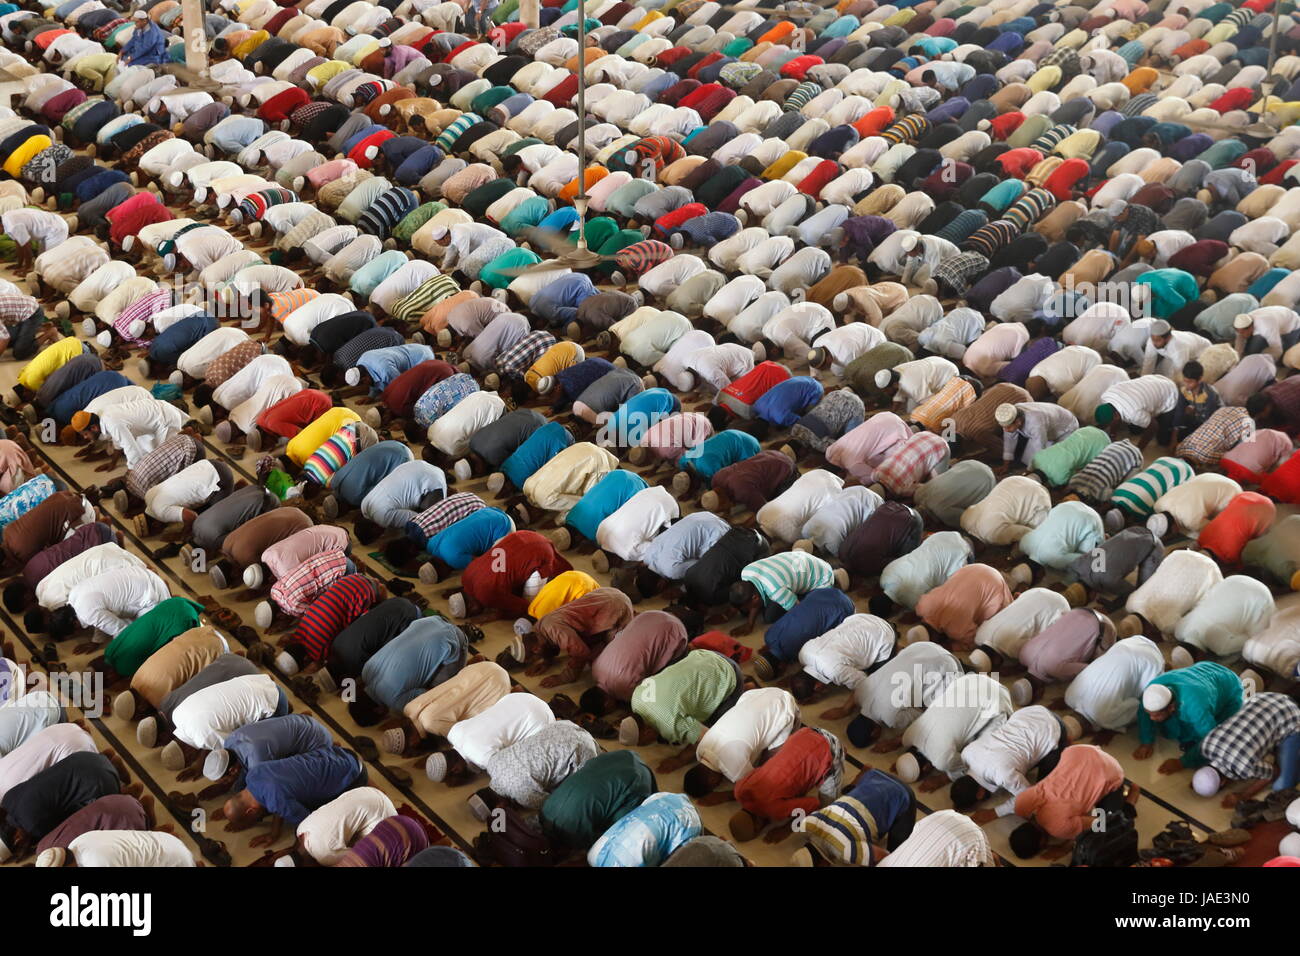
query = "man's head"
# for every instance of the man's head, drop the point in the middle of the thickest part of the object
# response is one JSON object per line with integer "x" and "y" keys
{"x": 1027, "y": 840}
{"x": 965, "y": 793}
{"x": 1244, "y": 325}
{"x": 742, "y": 595}
{"x": 700, "y": 780}
{"x": 1259, "y": 406}
{"x": 1159, "y": 702}
{"x": 1161, "y": 332}
{"x": 803, "y": 686}
{"x": 862, "y": 731}
{"x": 1193, "y": 375}
{"x": 366, "y": 711}
{"x": 242, "y": 811}
{"x": 691, "y": 619}
{"x": 596, "y": 702}
{"x": 1008, "y": 416}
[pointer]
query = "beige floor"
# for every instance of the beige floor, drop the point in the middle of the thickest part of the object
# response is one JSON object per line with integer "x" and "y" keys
{"x": 1169, "y": 798}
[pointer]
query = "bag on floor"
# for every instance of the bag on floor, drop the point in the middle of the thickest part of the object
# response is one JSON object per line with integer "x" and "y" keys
{"x": 518, "y": 842}
{"x": 1114, "y": 845}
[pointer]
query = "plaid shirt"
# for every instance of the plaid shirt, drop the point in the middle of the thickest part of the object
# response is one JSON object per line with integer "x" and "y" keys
{"x": 1221, "y": 433}
{"x": 16, "y": 308}
{"x": 443, "y": 515}
{"x": 514, "y": 361}
{"x": 957, "y": 271}
{"x": 142, "y": 309}
{"x": 911, "y": 462}
{"x": 296, "y": 590}
{"x": 231, "y": 361}
{"x": 1240, "y": 748}
{"x": 442, "y": 397}
{"x": 172, "y": 456}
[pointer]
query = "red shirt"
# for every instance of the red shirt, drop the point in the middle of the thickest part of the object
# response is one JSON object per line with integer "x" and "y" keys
{"x": 402, "y": 392}
{"x": 291, "y": 415}
{"x": 496, "y": 578}
{"x": 780, "y": 786}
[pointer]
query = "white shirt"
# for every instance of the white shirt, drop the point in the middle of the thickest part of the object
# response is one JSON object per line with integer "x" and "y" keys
{"x": 964, "y": 709}
{"x": 841, "y": 656}
{"x": 299, "y": 323}
{"x": 207, "y": 717}
{"x": 895, "y": 694}
{"x": 943, "y": 838}
{"x": 848, "y": 342}
{"x": 110, "y": 601}
{"x": 1231, "y": 611}
{"x": 188, "y": 488}
{"x": 136, "y": 848}
{"x": 244, "y": 384}
{"x": 1170, "y": 358}
{"x": 784, "y": 516}
{"x": 52, "y": 591}
{"x": 194, "y": 361}
{"x": 137, "y": 428}
{"x": 451, "y": 433}
{"x": 1193, "y": 503}
{"x": 1065, "y": 368}
{"x": 328, "y": 831}
{"x": 272, "y": 390}
{"x": 1178, "y": 585}
{"x": 1107, "y": 691}
{"x": 1001, "y": 758}
{"x": 42, "y": 750}
{"x": 1030, "y": 613}
{"x": 515, "y": 717}
{"x": 629, "y": 530}
{"x": 34, "y": 225}
{"x": 761, "y": 720}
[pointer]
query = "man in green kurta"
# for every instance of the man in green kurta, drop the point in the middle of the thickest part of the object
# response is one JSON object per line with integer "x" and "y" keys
{"x": 1184, "y": 705}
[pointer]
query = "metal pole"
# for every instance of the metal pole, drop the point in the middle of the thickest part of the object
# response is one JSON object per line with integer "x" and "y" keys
{"x": 1272, "y": 51}
{"x": 196, "y": 38}
{"x": 580, "y": 201}
{"x": 530, "y": 14}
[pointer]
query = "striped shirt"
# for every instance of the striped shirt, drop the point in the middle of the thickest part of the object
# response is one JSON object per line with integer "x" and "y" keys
{"x": 1139, "y": 400}
{"x": 336, "y": 452}
{"x": 939, "y": 408}
{"x": 1240, "y": 748}
{"x": 425, "y": 296}
{"x": 296, "y": 590}
{"x": 282, "y": 303}
{"x": 443, "y": 515}
{"x": 338, "y": 606}
{"x": 782, "y": 578}
{"x": 1139, "y": 494}
{"x": 1096, "y": 480}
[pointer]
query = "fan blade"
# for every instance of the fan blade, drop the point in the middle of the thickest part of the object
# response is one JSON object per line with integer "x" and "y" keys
{"x": 546, "y": 265}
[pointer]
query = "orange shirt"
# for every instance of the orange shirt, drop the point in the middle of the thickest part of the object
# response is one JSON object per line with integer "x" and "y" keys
{"x": 1062, "y": 803}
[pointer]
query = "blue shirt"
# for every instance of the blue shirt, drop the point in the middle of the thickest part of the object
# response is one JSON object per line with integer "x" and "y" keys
{"x": 725, "y": 448}
{"x": 470, "y": 536}
{"x": 816, "y": 613}
{"x": 79, "y": 396}
{"x": 675, "y": 549}
{"x": 640, "y": 413}
{"x": 541, "y": 446}
{"x": 602, "y": 500}
{"x": 574, "y": 380}
{"x": 167, "y": 347}
{"x": 783, "y": 404}
{"x": 409, "y": 664}
{"x": 274, "y": 739}
{"x": 292, "y": 787}
{"x": 384, "y": 365}
{"x": 368, "y": 468}
{"x": 558, "y": 301}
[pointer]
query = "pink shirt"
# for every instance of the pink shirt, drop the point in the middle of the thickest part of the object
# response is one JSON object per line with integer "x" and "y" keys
{"x": 283, "y": 556}
{"x": 328, "y": 172}
{"x": 859, "y": 451}
{"x": 14, "y": 466}
{"x": 1268, "y": 450}
{"x": 673, "y": 436}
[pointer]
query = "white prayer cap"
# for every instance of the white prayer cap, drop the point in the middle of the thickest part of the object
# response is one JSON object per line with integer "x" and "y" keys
{"x": 1161, "y": 327}
{"x": 352, "y": 376}
{"x": 141, "y": 15}
{"x": 54, "y": 856}
{"x": 883, "y": 378}
{"x": 385, "y": 43}
{"x": 1006, "y": 414}
{"x": 533, "y": 584}
{"x": 1158, "y": 524}
{"x": 1289, "y": 845}
{"x": 285, "y": 860}
{"x": 1115, "y": 208}
{"x": 1293, "y": 813}
{"x": 136, "y": 328}
{"x": 105, "y": 338}
{"x": 1206, "y": 781}
{"x": 1242, "y": 321}
{"x": 545, "y": 384}
{"x": 5, "y": 852}
{"x": 1156, "y": 698}
{"x": 917, "y": 633}
{"x": 909, "y": 769}
{"x": 216, "y": 763}
{"x": 284, "y": 660}
{"x": 253, "y": 576}
{"x": 980, "y": 661}
{"x": 840, "y": 302}
{"x": 909, "y": 243}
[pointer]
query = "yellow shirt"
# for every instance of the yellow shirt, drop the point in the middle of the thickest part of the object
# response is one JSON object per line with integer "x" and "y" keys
{"x": 249, "y": 44}
{"x": 646, "y": 20}
{"x": 48, "y": 361}
{"x": 318, "y": 76}
{"x": 559, "y": 356}
{"x": 559, "y": 591}
{"x": 1044, "y": 79}
{"x": 783, "y": 165}
{"x": 20, "y": 156}
{"x": 305, "y": 443}
{"x": 559, "y": 483}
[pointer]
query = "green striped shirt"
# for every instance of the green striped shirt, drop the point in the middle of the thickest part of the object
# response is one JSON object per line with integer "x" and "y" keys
{"x": 783, "y": 577}
{"x": 1138, "y": 495}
